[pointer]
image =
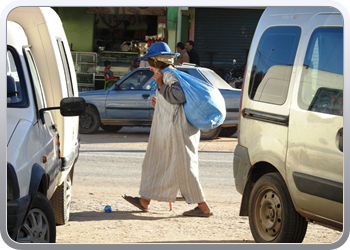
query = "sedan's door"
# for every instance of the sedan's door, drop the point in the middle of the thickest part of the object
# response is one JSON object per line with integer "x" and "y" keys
{"x": 130, "y": 101}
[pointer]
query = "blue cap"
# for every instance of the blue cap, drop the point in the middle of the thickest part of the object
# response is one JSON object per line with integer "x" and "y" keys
{"x": 136, "y": 60}
{"x": 159, "y": 48}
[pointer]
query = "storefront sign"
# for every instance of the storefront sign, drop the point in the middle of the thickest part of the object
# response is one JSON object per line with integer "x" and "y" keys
{"x": 102, "y": 10}
{"x": 159, "y": 11}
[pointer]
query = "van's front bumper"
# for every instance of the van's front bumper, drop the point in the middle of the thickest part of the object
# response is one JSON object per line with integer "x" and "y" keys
{"x": 241, "y": 167}
{"x": 16, "y": 212}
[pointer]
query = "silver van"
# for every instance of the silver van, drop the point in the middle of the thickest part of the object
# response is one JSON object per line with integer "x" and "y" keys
{"x": 288, "y": 163}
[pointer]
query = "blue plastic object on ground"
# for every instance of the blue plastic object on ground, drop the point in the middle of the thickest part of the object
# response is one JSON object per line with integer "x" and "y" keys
{"x": 108, "y": 209}
{"x": 205, "y": 106}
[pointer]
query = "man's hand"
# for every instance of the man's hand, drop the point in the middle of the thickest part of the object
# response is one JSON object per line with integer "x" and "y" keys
{"x": 158, "y": 76}
{"x": 154, "y": 100}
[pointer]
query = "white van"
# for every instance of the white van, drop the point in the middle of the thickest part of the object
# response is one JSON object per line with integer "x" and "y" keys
{"x": 42, "y": 124}
{"x": 288, "y": 164}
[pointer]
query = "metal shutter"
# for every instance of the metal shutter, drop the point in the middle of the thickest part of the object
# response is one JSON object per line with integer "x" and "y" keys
{"x": 227, "y": 33}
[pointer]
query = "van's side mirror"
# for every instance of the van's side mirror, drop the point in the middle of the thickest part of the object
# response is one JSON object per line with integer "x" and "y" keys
{"x": 72, "y": 106}
{"x": 69, "y": 106}
{"x": 116, "y": 87}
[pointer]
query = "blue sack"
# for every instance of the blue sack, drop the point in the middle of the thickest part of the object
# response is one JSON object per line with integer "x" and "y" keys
{"x": 205, "y": 106}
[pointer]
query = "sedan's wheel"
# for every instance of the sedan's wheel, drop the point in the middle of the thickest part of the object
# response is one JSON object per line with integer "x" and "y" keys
{"x": 210, "y": 134}
{"x": 111, "y": 128}
{"x": 39, "y": 225}
{"x": 89, "y": 122}
{"x": 272, "y": 217}
{"x": 61, "y": 201}
{"x": 227, "y": 132}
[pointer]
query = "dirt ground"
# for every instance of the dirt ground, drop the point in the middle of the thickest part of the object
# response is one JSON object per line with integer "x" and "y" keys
{"x": 126, "y": 224}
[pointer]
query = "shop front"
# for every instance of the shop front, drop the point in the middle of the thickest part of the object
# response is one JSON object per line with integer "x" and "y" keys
{"x": 224, "y": 34}
{"x": 122, "y": 34}
{"x": 116, "y": 34}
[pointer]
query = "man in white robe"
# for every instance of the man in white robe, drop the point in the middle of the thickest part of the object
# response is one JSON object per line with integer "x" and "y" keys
{"x": 171, "y": 160}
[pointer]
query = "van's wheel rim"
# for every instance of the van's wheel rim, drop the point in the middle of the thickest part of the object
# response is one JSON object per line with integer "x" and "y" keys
{"x": 268, "y": 214}
{"x": 35, "y": 228}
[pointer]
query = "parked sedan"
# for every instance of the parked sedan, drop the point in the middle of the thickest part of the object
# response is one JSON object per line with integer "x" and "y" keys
{"x": 128, "y": 103}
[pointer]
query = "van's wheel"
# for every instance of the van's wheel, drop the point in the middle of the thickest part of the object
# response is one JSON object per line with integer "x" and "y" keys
{"x": 39, "y": 225}
{"x": 61, "y": 201}
{"x": 272, "y": 217}
{"x": 111, "y": 128}
{"x": 89, "y": 122}
{"x": 227, "y": 132}
{"x": 210, "y": 134}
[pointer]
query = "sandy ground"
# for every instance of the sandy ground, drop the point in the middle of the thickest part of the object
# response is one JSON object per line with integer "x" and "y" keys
{"x": 126, "y": 224}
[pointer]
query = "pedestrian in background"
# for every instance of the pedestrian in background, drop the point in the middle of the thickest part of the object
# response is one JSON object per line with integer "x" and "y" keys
{"x": 134, "y": 64}
{"x": 171, "y": 159}
{"x": 108, "y": 72}
{"x": 183, "y": 57}
{"x": 192, "y": 53}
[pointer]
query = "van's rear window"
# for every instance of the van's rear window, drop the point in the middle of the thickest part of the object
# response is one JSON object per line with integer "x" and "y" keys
{"x": 273, "y": 64}
{"x": 322, "y": 81}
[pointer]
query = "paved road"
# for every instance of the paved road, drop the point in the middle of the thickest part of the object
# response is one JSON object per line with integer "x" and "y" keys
{"x": 110, "y": 165}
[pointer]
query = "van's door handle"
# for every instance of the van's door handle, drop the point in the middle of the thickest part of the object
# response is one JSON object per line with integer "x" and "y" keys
{"x": 145, "y": 96}
{"x": 340, "y": 139}
{"x": 53, "y": 127}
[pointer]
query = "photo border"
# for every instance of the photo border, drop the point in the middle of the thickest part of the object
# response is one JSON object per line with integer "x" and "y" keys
{"x": 7, "y": 5}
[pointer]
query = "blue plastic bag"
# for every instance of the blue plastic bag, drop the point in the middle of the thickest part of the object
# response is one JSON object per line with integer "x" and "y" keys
{"x": 205, "y": 106}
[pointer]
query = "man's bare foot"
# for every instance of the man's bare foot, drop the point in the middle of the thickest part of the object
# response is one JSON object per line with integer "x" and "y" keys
{"x": 204, "y": 207}
{"x": 145, "y": 203}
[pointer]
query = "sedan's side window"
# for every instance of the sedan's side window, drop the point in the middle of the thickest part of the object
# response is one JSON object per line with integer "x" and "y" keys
{"x": 151, "y": 85}
{"x": 137, "y": 80}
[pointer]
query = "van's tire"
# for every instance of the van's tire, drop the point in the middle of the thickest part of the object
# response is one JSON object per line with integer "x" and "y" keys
{"x": 227, "y": 131}
{"x": 210, "y": 134}
{"x": 89, "y": 122}
{"x": 111, "y": 128}
{"x": 39, "y": 225}
{"x": 61, "y": 201}
{"x": 272, "y": 216}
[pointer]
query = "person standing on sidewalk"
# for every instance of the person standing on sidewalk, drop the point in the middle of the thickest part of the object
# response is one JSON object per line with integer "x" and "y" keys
{"x": 192, "y": 53}
{"x": 183, "y": 57}
{"x": 171, "y": 159}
